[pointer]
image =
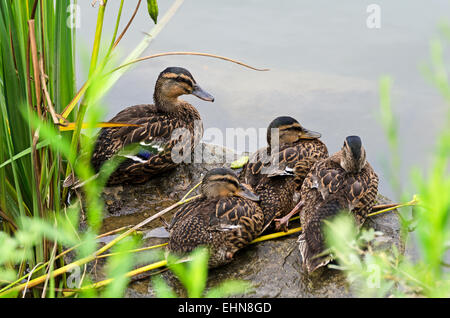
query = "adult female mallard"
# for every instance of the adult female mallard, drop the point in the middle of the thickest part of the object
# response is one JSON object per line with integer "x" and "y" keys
{"x": 268, "y": 170}
{"x": 154, "y": 126}
{"x": 344, "y": 181}
{"x": 225, "y": 218}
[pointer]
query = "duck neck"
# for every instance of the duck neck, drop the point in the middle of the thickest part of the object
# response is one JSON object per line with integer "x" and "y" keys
{"x": 165, "y": 103}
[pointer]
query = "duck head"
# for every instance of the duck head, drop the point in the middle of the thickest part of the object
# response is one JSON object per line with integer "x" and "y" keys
{"x": 174, "y": 82}
{"x": 223, "y": 182}
{"x": 353, "y": 157}
{"x": 289, "y": 131}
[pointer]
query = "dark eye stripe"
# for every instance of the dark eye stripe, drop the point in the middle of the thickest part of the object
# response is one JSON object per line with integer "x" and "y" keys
{"x": 233, "y": 181}
{"x": 293, "y": 127}
{"x": 184, "y": 80}
{"x": 225, "y": 179}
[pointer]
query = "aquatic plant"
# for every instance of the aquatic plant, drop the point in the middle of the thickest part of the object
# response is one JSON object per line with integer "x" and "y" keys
{"x": 39, "y": 142}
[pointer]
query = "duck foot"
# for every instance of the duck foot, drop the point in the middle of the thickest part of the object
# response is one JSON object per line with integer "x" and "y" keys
{"x": 282, "y": 224}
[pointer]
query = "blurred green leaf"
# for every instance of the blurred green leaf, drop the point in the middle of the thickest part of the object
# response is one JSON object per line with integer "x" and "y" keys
{"x": 162, "y": 290}
{"x": 178, "y": 267}
{"x": 152, "y": 7}
{"x": 197, "y": 272}
{"x": 193, "y": 275}
{"x": 237, "y": 164}
{"x": 229, "y": 288}
{"x": 118, "y": 265}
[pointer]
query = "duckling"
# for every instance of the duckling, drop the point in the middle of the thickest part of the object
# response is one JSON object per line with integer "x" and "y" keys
{"x": 154, "y": 125}
{"x": 269, "y": 171}
{"x": 225, "y": 218}
{"x": 344, "y": 181}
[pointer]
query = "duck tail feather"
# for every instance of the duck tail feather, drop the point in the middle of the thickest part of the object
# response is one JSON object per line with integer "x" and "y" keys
{"x": 311, "y": 240}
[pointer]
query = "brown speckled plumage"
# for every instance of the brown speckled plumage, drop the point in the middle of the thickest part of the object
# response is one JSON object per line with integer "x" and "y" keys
{"x": 157, "y": 123}
{"x": 329, "y": 188}
{"x": 223, "y": 221}
{"x": 274, "y": 185}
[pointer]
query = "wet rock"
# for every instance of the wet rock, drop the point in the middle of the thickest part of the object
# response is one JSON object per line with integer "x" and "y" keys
{"x": 273, "y": 267}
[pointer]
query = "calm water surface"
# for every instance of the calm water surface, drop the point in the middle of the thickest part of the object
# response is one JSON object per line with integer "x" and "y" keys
{"x": 324, "y": 63}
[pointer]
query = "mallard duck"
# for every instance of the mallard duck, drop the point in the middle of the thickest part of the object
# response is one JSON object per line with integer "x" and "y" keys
{"x": 344, "y": 181}
{"x": 268, "y": 170}
{"x": 153, "y": 135}
{"x": 225, "y": 218}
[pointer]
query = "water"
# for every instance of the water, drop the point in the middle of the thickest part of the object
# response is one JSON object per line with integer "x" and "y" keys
{"x": 324, "y": 67}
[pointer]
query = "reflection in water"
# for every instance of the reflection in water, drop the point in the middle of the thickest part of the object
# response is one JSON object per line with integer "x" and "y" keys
{"x": 325, "y": 65}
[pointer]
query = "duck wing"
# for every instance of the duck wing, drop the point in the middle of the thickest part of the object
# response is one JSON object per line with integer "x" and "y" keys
{"x": 243, "y": 219}
{"x": 361, "y": 193}
{"x": 152, "y": 140}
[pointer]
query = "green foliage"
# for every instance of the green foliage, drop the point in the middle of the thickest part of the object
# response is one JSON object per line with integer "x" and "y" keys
{"x": 118, "y": 266}
{"x": 35, "y": 220}
{"x": 239, "y": 163}
{"x": 152, "y": 7}
{"x": 192, "y": 272}
{"x": 29, "y": 173}
{"x": 364, "y": 267}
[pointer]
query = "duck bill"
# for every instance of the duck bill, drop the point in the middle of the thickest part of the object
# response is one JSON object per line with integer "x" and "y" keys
{"x": 245, "y": 193}
{"x": 309, "y": 134}
{"x": 202, "y": 94}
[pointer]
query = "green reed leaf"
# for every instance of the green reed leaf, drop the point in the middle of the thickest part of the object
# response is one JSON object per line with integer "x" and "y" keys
{"x": 152, "y": 7}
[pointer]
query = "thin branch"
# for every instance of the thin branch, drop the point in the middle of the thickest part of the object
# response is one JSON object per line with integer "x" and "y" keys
{"x": 129, "y": 274}
{"x": 127, "y": 26}
{"x": 37, "y": 171}
{"x": 46, "y": 94}
{"x": 26, "y": 285}
{"x": 33, "y": 11}
{"x": 276, "y": 235}
{"x": 187, "y": 53}
{"x": 7, "y": 219}
{"x": 190, "y": 191}
{"x": 49, "y": 267}
{"x": 34, "y": 56}
{"x": 72, "y": 126}
{"x": 383, "y": 206}
{"x": 414, "y": 201}
{"x": 133, "y": 251}
{"x": 116, "y": 28}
